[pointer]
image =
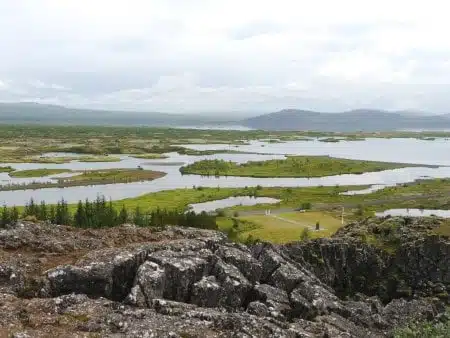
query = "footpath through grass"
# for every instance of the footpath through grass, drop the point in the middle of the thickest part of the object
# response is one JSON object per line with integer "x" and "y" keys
{"x": 325, "y": 204}
{"x": 287, "y": 227}
{"x": 293, "y": 166}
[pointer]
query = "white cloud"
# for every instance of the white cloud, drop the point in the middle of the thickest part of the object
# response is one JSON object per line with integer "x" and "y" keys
{"x": 175, "y": 55}
{"x": 3, "y": 85}
{"x": 42, "y": 85}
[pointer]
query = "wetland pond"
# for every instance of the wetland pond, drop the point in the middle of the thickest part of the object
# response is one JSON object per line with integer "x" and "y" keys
{"x": 389, "y": 150}
{"x": 414, "y": 213}
{"x": 231, "y": 202}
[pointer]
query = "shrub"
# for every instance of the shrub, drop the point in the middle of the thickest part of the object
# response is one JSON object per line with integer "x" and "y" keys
{"x": 425, "y": 329}
{"x": 306, "y": 205}
{"x": 305, "y": 234}
{"x": 221, "y": 213}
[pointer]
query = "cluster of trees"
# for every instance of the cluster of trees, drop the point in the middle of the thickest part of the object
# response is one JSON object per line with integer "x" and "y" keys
{"x": 101, "y": 213}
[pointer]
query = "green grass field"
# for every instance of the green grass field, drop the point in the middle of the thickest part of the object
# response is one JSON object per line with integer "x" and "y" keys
{"x": 89, "y": 177}
{"x": 98, "y": 158}
{"x": 37, "y": 172}
{"x": 287, "y": 227}
{"x": 150, "y": 156}
{"x": 7, "y": 169}
{"x": 114, "y": 176}
{"x": 293, "y": 166}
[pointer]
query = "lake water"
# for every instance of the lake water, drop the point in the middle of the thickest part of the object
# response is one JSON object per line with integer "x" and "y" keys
{"x": 231, "y": 202}
{"x": 391, "y": 150}
{"x": 407, "y": 150}
{"x": 414, "y": 213}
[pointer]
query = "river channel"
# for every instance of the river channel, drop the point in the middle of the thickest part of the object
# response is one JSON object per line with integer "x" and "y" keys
{"x": 390, "y": 150}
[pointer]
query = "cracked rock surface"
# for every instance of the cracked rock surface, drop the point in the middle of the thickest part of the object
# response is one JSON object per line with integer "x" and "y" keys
{"x": 180, "y": 282}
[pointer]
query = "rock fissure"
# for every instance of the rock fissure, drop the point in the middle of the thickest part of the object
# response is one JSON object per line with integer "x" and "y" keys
{"x": 212, "y": 288}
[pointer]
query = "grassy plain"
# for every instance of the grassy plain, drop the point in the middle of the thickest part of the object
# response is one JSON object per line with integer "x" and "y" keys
{"x": 88, "y": 177}
{"x": 326, "y": 206}
{"x": 114, "y": 176}
{"x": 292, "y": 166}
{"x": 6, "y": 169}
{"x": 19, "y": 143}
{"x": 37, "y": 172}
{"x": 26, "y": 143}
{"x": 150, "y": 156}
{"x": 97, "y": 158}
{"x": 287, "y": 227}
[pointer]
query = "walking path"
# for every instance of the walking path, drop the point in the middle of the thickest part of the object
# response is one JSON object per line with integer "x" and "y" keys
{"x": 319, "y": 206}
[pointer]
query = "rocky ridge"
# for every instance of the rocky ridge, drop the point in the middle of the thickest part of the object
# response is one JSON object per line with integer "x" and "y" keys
{"x": 179, "y": 282}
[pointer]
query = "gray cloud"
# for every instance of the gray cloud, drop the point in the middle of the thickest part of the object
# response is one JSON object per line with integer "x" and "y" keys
{"x": 225, "y": 55}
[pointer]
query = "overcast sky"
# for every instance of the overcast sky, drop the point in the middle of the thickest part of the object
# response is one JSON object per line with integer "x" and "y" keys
{"x": 226, "y": 55}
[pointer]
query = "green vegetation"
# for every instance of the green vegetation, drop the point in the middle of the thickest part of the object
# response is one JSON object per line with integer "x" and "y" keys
{"x": 426, "y": 329}
{"x": 345, "y": 138}
{"x": 288, "y": 227}
{"x": 61, "y": 159}
{"x": 293, "y": 166}
{"x": 42, "y": 159}
{"x": 330, "y": 140}
{"x": 179, "y": 199}
{"x": 98, "y": 159}
{"x": 150, "y": 156}
{"x": 305, "y": 234}
{"x": 99, "y": 213}
{"x": 6, "y": 169}
{"x": 20, "y": 143}
{"x": 426, "y": 193}
{"x": 432, "y": 194}
{"x": 113, "y": 176}
{"x": 284, "y": 224}
{"x": 444, "y": 228}
{"x": 37, "y": 172}
{"x": 91, "y": 177}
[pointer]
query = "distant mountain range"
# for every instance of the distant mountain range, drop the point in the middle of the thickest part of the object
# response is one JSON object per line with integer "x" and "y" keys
{"x": 288, "y": 119}
{"x": 354, "y": 120}
{"x": 36, "y": 113}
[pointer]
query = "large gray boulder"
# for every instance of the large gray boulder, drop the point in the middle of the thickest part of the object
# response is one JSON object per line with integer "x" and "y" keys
{"x": 150, "y": 283}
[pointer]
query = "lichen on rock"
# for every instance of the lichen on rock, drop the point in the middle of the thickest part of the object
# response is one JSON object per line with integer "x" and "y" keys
{"x": 183, "y": 282}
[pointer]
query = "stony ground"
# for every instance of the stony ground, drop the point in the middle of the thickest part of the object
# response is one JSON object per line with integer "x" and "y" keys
{"x": 58, "y": 281}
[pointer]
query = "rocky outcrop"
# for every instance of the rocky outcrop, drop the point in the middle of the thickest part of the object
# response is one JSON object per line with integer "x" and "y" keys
{"x": 404, "y": 259}
{"x": 195, "y": 283}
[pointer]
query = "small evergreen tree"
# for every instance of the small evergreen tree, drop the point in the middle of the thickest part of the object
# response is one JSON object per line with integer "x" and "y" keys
{"x": 43, "y": 212}
{"x": 138, "y": 217}
{"x": 14, "y": 214}
{"x": 123, "y": 215}
{"x": 52, "y": 214}
{"x": 62, "y": 213}
{"x": 5, "y": 218}
{"x": 80, "y": 216}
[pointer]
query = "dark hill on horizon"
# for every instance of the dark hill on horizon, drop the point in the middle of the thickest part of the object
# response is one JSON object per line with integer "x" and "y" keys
{"x": 354, "y": 120}
{"x": 287, "y": 119}
{"x": 36, "y": 113}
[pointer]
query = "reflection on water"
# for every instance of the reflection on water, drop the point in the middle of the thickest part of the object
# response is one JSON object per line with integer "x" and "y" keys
{"x": 231, "y": 202}
{"x": 369, "y": 190}
{"x": 414, "y": 213}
